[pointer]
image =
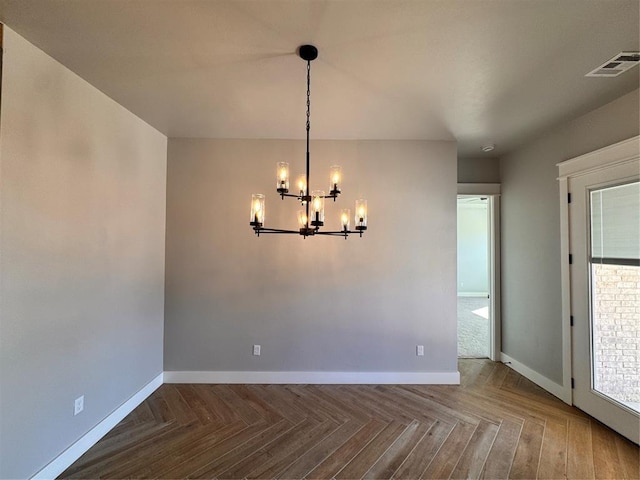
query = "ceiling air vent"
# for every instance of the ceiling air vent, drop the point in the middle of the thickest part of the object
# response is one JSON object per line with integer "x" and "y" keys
{"x": 616, "y": 65}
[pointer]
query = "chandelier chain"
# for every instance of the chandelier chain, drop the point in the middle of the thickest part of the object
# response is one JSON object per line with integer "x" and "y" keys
{"x": 308, "y": 96}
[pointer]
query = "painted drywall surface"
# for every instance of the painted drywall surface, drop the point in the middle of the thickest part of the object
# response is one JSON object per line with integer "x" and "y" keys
{"x": 82, "y": 257}
{"x": 479, "y": 170}
{"x": 473, "y": 266}
{"x": 531, "y": 287}
{"x": 315, "y": 304}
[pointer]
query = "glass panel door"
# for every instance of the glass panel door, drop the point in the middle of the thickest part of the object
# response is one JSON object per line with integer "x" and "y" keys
{"x": 604, "y": 240}
{"x": 615, "y": 292}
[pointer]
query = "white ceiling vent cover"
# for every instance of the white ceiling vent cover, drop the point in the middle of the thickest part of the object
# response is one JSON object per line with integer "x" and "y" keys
{"x": 616, "y": 65}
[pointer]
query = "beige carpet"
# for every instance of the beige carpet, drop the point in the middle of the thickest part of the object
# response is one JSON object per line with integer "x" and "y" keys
{"x": 473, "y": 327}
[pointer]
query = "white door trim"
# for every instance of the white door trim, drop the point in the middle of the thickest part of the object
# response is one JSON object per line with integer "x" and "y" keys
{"x": 621, "y": 153}
{"x": 565, "y": 279}
{"x": 618, "y": 153}
{"x": 494, "y": 278}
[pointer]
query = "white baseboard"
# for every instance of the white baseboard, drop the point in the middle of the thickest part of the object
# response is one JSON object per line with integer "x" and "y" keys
{"x": 560, "y": 391}
{"x": 422, "y": 378}
{"x": 75, "y": 451}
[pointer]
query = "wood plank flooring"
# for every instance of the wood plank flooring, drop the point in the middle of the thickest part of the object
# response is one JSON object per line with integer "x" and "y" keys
{"x": 496, "y": 424}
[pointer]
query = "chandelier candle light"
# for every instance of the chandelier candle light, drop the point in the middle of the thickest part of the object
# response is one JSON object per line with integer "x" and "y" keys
{"x": 311, "y": 218}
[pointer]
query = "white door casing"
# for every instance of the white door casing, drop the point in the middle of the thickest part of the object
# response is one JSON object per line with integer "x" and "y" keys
{"x": 613, "y": 165}
{"x": 492, "y": 192}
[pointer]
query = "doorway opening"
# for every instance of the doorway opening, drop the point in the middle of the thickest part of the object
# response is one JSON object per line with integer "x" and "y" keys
{"x": 473, "y": 286}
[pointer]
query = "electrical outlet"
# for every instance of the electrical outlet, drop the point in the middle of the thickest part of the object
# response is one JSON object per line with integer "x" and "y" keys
{"x": 78, "y": 405}
{"x": 420, "y": 350}
{"x": 256, "y": 350}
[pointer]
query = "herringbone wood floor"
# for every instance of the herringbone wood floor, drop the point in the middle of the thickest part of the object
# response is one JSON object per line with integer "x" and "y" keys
{"x": 496, "y": 424}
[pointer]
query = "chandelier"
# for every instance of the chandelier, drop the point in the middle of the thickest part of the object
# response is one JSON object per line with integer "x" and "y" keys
{"x": 311, "y": 216}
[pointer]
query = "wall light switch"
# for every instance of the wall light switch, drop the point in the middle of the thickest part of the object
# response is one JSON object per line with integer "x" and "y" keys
{"x": 420, "y": 350}
{"x": 78, "y": 405}
{"x": 256, "y": 350}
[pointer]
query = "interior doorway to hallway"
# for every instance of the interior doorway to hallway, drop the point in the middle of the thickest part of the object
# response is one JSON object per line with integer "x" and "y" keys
{"x": 473, "y": 286}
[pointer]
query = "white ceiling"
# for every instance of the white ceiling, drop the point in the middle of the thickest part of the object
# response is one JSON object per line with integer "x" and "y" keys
{"x": 478, "y": 71}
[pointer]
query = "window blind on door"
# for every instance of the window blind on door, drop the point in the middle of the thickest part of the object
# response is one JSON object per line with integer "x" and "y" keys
{"x": 615, "y": 224}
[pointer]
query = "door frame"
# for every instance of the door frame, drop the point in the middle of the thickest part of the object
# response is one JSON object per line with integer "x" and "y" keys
{"x": 492, "y": 192}
{"x": 619, "y": 153}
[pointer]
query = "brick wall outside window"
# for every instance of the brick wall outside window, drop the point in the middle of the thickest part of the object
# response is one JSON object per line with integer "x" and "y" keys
{"x": 616, "y": 295}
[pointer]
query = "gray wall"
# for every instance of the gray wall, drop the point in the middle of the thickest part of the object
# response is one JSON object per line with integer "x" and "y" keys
{"x": 531, "y": 289}
{"x": 82, "y": 257}
{"x": 478, "y": 170}
{"x": 320, "y": 304}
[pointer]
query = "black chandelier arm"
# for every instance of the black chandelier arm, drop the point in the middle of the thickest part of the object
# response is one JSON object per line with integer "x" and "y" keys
{"x": 304, "y": 231}
{"x": 341, "y": 233}
{"x": 308, "y": 232}
{"x": 307, "y": 198}
{"x": 282, "y": 194}
{"x": 260, "y": 230}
